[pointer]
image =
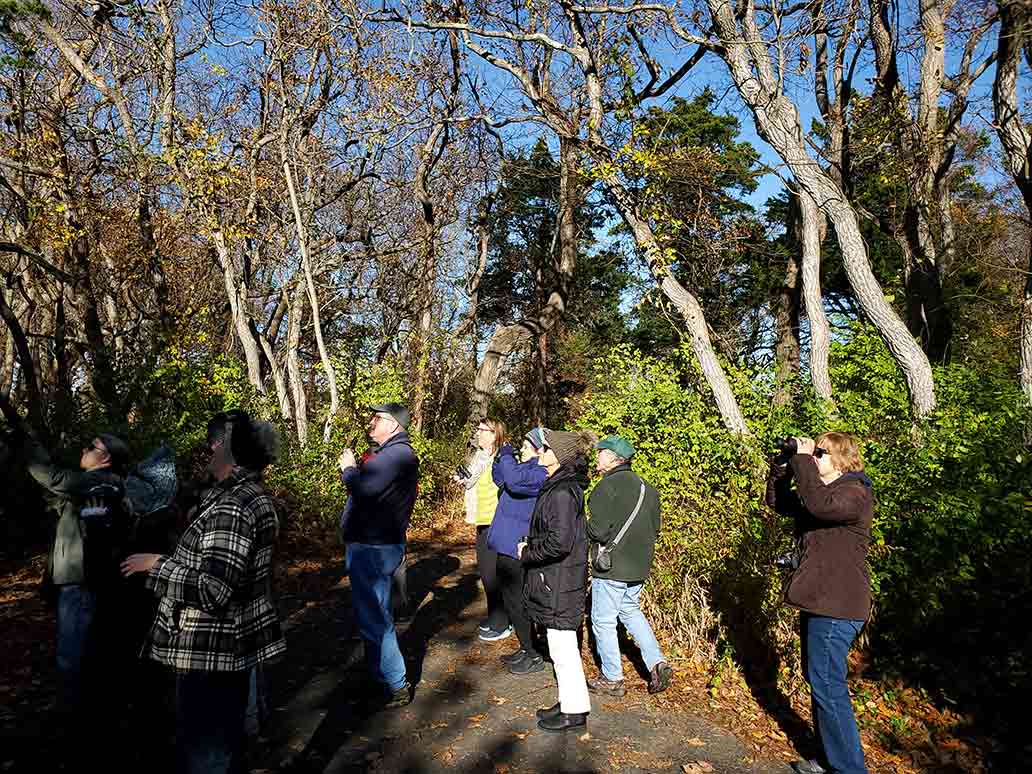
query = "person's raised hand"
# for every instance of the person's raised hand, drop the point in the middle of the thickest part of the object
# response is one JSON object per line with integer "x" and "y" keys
{"x": 346, "y": 460}
{"x": 139, "y": 563}
{"x": 805, "y": 445}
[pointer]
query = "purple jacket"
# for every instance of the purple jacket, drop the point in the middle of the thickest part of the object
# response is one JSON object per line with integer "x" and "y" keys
{"x": 519, "y": 484}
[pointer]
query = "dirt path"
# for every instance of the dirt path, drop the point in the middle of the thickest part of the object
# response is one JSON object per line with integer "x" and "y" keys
{"x": 469, "y": 713}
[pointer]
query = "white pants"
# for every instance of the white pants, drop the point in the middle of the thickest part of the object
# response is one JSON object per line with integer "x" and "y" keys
{"x": 569, "y": 672}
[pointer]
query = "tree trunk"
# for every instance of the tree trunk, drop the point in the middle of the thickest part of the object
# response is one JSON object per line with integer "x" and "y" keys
{"x": 297, "y": 383}
{"x": 506, "y": 338}
{"x": 238, "y": 311}
{"x": 777, "y": 122}
{"x": 820, "y": 335}
{"x": 685, "y": 303}
{"x": 420, "y": 354}
{"x": 278, "y": 378}
{"x": 1016, "y": 139}
{"x": 313, "y": 298}
{"x": 34, "y": 403}
{"x": 786, "y": 315}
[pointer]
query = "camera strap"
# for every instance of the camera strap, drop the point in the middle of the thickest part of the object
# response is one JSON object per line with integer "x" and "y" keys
{"x": 627, "y": 524}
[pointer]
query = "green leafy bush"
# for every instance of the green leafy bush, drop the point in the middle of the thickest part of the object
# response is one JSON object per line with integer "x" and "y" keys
{"x": 951, "y": 534}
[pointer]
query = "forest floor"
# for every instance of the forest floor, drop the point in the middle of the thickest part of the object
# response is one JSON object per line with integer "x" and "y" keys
{"x": 469, "y": 714}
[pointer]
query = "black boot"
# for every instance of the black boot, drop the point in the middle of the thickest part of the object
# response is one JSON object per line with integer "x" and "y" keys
{"x": 575, "y": 721}
{"x": 551, "y": 712}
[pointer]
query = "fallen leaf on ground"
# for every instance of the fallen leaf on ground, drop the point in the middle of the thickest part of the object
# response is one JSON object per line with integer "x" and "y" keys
{"x": 697, "y": 767}
{"x": 695, "y": 742}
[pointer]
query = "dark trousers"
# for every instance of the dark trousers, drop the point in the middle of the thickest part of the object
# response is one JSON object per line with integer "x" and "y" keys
{"x": 510, "y": 579}
{"x": 210, "y": 711}
{"x": 487, "y": 563}
{"x": 76, "y": 609}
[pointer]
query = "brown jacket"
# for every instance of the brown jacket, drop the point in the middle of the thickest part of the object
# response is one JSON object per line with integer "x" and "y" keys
{"x": 834, "y": 523}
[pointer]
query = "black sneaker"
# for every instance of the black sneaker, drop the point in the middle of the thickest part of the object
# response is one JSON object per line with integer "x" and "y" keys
{"x": 564, "y": 722}
{"x": 512, "y": 658}
{"x": 662, "y": 674}
{"x": 551, "y": 712}
{"x": 400, "y": 698}
{"x": 608, "y": 687}
{"x": 485, "y": 625}
{"x": 531, "y": 662}
{"x": 493, "y": 636}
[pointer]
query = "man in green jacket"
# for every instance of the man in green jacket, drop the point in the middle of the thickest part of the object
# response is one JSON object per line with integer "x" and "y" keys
{"x": 90, "y": 514}
{"x": 616, "y": 593}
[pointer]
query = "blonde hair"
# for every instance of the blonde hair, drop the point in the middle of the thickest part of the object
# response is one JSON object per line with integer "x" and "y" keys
{"x": 844, "y": 451}
{"x": 501, "y": 433}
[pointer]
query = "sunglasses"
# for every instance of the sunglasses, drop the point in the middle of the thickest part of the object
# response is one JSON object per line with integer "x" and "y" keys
{"x": 818, "y": 452}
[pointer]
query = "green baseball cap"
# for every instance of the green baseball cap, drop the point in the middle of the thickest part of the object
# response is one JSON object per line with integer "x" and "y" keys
{"x": 617, "y": 446}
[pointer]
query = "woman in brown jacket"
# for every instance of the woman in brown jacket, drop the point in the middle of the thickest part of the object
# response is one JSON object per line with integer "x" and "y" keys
{"x": 832, "y": 506}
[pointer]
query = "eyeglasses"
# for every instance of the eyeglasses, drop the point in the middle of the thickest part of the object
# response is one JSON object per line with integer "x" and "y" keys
{"x": 818, "y": 452}
{"x": 93, "y": 447}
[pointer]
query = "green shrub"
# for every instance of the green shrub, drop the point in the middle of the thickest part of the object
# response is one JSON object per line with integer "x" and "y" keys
{"x": 951, "y": 534}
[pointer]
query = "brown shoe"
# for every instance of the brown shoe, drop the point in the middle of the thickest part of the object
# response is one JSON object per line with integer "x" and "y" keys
{"x": 662, "y": 674}
{"x": 608, "y": 687}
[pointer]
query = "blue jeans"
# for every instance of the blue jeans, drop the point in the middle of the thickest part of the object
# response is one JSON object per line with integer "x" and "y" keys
{"x": 76, "y": 607}
{"x": 210, "y": 710}
{"x": 826, "y": 643}
{"x": 371, "y": 568}
{"x": 613, "y": 601}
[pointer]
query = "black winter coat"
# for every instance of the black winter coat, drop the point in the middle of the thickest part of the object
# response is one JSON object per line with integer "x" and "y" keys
{"x": 555, "y": 558}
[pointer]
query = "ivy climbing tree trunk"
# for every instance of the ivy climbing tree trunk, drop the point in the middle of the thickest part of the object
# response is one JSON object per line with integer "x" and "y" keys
{"x": 507, "y": 338}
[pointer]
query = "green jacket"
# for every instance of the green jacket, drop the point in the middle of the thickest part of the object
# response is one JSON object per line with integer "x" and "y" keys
{"x": 69, "y": 490}
{"x": 610, "y": 505}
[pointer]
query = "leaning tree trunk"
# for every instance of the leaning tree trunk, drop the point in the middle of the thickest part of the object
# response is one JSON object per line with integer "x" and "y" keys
{"x": 685, "y": 303}
{"x": 820, "y": 334}
{"x": 34, "y": 403}
{"x": 1016, "y": 139}
{"x": 777, "y": 122}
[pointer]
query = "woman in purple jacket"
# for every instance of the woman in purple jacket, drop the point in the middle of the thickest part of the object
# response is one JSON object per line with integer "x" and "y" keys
{"x": 519, "y": 484}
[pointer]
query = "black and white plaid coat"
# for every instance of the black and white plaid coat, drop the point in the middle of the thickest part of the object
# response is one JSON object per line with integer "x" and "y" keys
{"x": 215, "y": 612}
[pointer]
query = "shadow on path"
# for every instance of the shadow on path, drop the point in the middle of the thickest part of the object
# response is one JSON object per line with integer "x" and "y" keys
{"x": 469, "y": 714}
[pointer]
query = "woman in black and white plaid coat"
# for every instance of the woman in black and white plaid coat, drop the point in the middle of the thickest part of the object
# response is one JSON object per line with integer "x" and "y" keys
{"x": 216, "y": 620}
